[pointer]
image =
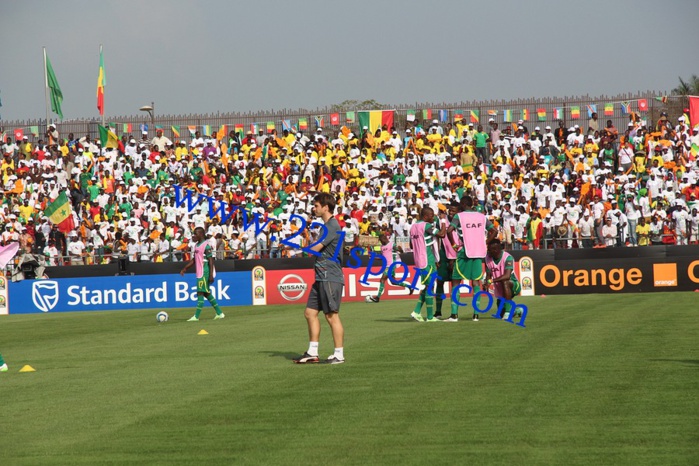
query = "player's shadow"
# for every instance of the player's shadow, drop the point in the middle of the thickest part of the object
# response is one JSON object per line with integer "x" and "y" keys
{"x": 280, "y": 354}
{"x": 694, "y": 362}
{"x": 406, "y": 320}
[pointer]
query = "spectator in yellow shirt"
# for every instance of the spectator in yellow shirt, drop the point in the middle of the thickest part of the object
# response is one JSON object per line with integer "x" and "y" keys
{"x": 643, "y": 232}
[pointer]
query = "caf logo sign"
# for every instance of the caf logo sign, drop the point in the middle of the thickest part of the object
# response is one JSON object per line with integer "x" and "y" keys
{"x": 45, "y": 294}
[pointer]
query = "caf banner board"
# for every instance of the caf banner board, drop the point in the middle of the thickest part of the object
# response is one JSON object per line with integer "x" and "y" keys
{"x": 124, "y": 292}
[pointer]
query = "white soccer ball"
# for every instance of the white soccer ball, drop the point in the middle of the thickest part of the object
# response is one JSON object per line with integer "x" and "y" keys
{"x": 368, "y": 299}
{"x": 162, "y": 316}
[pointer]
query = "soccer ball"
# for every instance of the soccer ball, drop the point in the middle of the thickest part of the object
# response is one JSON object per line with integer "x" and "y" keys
{"x": 162, "y": 316}
{"x": 368, "y": 299}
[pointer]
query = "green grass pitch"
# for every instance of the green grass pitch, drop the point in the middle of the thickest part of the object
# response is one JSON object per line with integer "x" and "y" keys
{"x": 592, "y": 379}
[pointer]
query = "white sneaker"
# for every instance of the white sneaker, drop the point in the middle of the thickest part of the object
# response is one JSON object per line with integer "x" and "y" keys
{"x": 220, "y": 316}
{"x": 332, "y": 359}
{"x": 3, "y": 368}
{"x": 451, "y": 319}
{"x": 506, "y": 316}
{"x": 417, "y": 317}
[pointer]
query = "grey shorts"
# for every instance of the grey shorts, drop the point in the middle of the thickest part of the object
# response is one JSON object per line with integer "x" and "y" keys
{"x": 325, "y": 296}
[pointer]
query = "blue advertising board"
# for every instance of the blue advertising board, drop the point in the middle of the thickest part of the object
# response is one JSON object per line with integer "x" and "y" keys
{"x": 124, "y": 292}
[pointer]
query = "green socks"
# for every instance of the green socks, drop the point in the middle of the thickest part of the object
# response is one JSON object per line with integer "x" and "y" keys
{"x": 2, "y": 361}
{"x": 381, "y": 289}
{"x": 420, "y": 302}
{"x": 214, "y": 303}
{"x": 200, "y": 305}
{"x": 438, "y": 296}
{"x": 430, "y": 313}
{"x": 454, "y": 309}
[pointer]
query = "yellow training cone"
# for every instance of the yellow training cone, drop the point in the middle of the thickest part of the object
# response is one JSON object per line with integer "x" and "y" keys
{"x": 201, "y": 332}
{"x": 27, "y": 368}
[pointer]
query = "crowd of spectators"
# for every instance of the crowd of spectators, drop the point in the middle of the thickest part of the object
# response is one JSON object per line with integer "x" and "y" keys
{"x": 580, "y": 187}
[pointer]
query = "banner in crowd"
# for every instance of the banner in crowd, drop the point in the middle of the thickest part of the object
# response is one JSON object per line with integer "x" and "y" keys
{"x": 124, "y": 292}
{"x": 375, "y": 119}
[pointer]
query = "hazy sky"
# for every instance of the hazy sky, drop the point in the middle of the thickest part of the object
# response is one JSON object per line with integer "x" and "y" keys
{"x": 217, "y": 55}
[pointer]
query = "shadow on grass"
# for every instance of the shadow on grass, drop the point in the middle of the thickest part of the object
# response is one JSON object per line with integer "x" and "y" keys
{"x": 405, "y": 320}
{"x": 281, "y": 354}
{"x": 694, "y": 362}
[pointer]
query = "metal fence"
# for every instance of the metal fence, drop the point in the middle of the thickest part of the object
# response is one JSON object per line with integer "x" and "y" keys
{"x": 445, "y": 112}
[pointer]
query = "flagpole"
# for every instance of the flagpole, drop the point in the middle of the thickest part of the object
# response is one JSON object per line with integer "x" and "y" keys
{"x": 46, "y": 90}
{"x": 102, "y": 87}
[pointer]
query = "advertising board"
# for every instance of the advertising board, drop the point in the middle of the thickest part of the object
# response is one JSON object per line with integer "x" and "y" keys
{"x": 124, "y": 292}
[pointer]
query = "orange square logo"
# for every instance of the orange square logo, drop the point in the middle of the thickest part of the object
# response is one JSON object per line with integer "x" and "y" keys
{"x": 665, "y": 274}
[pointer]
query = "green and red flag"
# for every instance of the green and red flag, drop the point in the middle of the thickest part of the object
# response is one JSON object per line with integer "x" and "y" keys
{"x": 60, "y": 212}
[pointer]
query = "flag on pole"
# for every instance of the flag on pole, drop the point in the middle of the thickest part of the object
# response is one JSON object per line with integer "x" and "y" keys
{"x": 350, "y": 118}
{"x": 206, "y": 129}
{"x": 320, "y": 121}
{"x": 375, "y": 119}
{"x": 475, "y": 116}
{"x": 525, "y": 114}
{"x": 222, "y": 132}
{"x": 492, "y": 113}
{"x": 303, "y": 124}
{"x": 60, "y": 213}
{"x": 541, "y": 114}
{"x": 693, "y": 112}
{"x": 255, "y": 128}
{"x": 52, "y": 84}
{"x": 591, "y": 108}
{"x": 127, "y": 128}
{"x": 574, "y": 112}
{"x": 507, "y": 116}
{"x": 239, "y": 129}
{"x": 286, "y": 125}
{"x": 625, "y": 108}
{"x": 558, "y": 113}
{"x": 175, "y": 131}
{"x": 108, "y": 138}
{"x": 642, "y": 105}
{"x": 410, "y": 115}
{"x": 662, "y": 99}
{"x": 100, "y": 85}
{"x": 192, "y": 131}
{"x": 426, "y": 114}
{"x": 443, "y": 116}
{"x": 34, "y": 130}
{"x": 270, "y": 126}
{"x": 335, "y": 119}
{"x": 608, "y": 109}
